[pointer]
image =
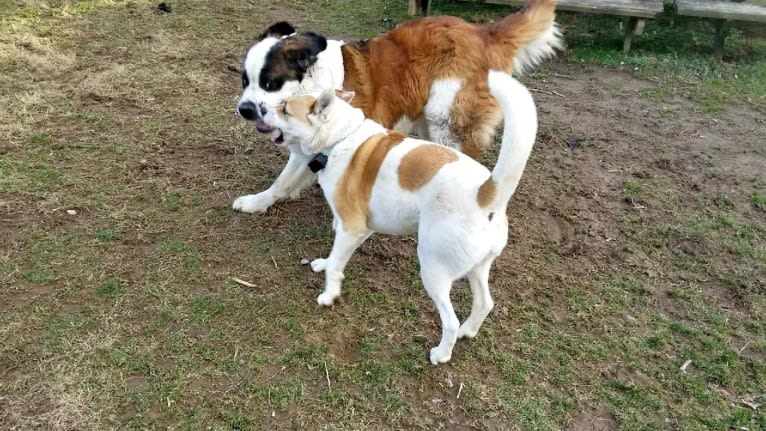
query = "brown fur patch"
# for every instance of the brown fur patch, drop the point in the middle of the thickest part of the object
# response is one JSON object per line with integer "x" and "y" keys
{"x": 352, "y": 194}
{"x": 298, "y": 107}
{"x": 422, "y": 163}
{"x": 487, "y": 193}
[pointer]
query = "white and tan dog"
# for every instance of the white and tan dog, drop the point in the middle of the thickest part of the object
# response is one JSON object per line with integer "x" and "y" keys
{"x": 377, "y": 180}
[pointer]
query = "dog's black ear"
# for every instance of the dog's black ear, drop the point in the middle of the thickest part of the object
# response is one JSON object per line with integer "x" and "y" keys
{"x": 304, "y": 54}
{"x": 282, "y": 28}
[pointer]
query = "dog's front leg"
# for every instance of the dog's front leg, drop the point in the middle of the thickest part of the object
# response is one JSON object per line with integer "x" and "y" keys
{"x": 342, "y": 248}
{"x": 295, "y": 177}
{"x": 320, "y": 263}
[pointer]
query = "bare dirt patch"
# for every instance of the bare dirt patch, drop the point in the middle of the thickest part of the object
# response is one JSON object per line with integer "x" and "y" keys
{"x": 596, "y": 419}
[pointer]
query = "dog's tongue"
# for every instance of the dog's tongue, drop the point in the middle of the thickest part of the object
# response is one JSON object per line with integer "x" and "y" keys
{"x": 262, "y": 127}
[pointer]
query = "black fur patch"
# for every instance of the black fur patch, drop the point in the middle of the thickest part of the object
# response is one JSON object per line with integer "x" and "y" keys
{"x": 289, "y": 60}
{"x": 282, "y": 28}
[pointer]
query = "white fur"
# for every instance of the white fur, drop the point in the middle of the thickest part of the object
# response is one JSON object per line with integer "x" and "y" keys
{"x": 417, "y": 128}
{"x": 438, "y": 109}
{"x": 456, "y": 237}
{"x": 530, "y": 55}
{"x": 295, "y": 177}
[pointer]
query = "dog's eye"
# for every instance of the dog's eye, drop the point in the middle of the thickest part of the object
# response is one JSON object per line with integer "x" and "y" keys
{"x": 272, "y": 85}
{"x": 245, "y": 80}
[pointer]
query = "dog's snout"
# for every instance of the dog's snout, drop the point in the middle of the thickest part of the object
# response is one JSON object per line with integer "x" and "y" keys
{"x": 247, "y": 110}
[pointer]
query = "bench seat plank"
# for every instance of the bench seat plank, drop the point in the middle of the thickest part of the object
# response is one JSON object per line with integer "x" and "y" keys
{"x": 636, "y": 8}
{"x": 722, "y": 10}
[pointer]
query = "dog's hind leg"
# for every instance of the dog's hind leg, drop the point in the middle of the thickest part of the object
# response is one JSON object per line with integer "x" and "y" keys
{"x": 295, "y": 177}
{"x": 342, "y": 248}
{"x": 438, "y": 284}
{"x": 478, "y": 278}
{"x": 475, "y": 118}
{"x": 437, "y": 111}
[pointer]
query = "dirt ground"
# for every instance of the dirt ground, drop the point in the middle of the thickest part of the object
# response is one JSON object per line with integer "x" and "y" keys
{"x": 638, "y": 241}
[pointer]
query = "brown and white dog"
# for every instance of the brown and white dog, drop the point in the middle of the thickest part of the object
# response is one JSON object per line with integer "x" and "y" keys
{"x": 427, "y": 76}
{"x": 376, "y": 180}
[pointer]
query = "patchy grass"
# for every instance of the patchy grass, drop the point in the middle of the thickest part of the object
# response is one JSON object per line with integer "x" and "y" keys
{"x": 758, "y": 199}
{"x": 120, "y": 159}
{"x": 675, "y": 52}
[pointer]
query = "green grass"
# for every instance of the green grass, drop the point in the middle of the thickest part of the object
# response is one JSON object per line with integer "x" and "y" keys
{"x": 107, "y": 235}
{"x": 204, "y": 308}
{"x": 632, "y": 188}
{"x": 758, "y": 199}
{"x": 110, "y": 288}
{"x": 39, "y": 275}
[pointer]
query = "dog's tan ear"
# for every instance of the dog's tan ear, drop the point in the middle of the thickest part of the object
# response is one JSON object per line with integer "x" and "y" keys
{"x": 320, "y": 108}
{"x": 347, "y": 96}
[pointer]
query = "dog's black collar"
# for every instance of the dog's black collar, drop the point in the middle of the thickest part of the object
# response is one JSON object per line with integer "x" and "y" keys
{"x": 318, "y": 162}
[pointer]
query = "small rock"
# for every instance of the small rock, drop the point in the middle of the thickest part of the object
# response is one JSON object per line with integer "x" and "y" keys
{"x": 575, "y": 143}
{"x": 241, "y": 362}
{"x": 71, "y": 212}
{"x": 304, "y": 261}
{"x": 164, "y": 7}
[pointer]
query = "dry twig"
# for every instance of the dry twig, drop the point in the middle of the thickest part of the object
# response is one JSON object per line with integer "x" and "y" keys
{"x": 242, "y": 282}
{"x": 327, "y": 375}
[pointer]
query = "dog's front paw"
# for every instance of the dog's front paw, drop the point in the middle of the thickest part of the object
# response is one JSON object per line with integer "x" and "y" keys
{"x": 254, "y": 203}
{"x": 318, "y": 265}
{"x": 326, "y": 299}
{"x": 440, "y": 356}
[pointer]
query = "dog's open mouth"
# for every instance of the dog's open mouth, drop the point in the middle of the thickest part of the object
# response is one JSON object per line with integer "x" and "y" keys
{"x": 277, "y": 137}
{"x": 262, "y": 127}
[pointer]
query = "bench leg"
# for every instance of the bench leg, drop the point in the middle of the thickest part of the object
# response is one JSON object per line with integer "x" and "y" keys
{"x": 425, "y": 7}
{"x": 722, "y": 28}
{"x": 633, "y": 27}
{"x": 412, "y": 7}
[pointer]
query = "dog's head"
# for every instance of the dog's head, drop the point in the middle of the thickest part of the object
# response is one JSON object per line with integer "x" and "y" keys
{"x": 273, "y": 70}
{"x": 314, "y": 120}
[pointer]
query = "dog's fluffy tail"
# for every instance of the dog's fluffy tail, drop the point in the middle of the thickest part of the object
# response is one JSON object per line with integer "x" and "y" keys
{"x": 523, "y": 40}
{"x": 520, "y": 115}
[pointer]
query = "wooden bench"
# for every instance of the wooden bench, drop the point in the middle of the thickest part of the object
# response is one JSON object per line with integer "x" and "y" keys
{"x": 721, "y": 13}
{"x": 635, "y": 11}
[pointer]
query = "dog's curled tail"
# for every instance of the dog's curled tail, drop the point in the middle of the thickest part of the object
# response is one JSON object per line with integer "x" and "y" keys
{"x": 519, "y": 131}
{"x": 528, "y": 37}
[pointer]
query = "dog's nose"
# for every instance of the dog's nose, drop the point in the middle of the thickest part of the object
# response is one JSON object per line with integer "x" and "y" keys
{"x": 247, "y": 110}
